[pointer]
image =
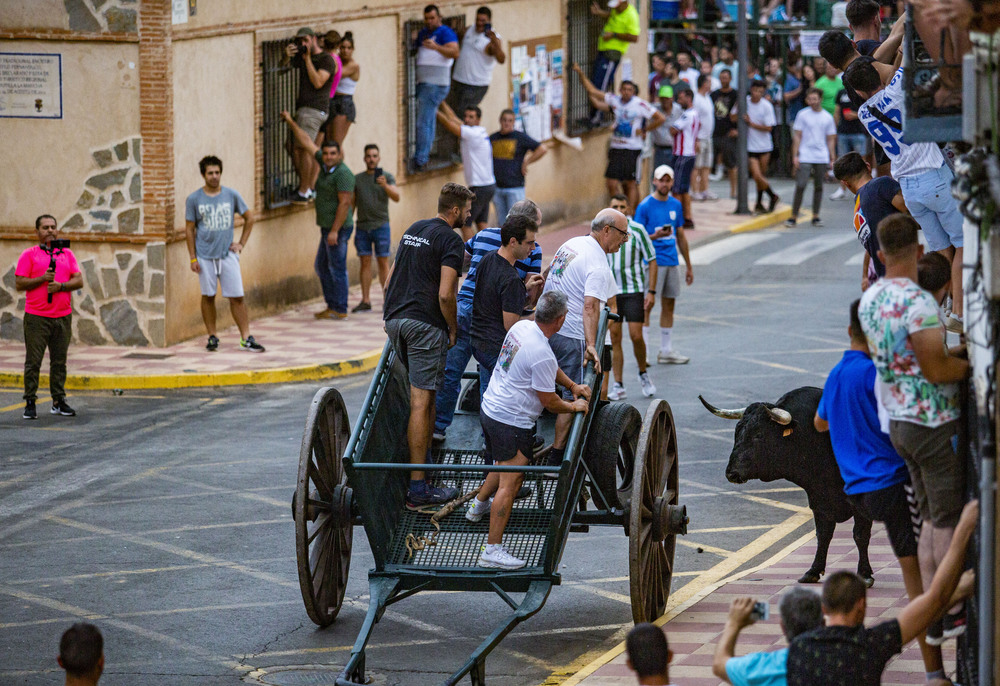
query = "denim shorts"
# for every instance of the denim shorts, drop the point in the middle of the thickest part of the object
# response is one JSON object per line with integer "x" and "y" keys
{"x": 928, "y": 198}
{"x": 380, "y": 239}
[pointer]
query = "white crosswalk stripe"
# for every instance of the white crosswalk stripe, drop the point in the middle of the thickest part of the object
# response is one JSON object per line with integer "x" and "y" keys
{"x": 712, "y": 252}
{"x": 859, "y": 259}
{"x": 805, "y": 250}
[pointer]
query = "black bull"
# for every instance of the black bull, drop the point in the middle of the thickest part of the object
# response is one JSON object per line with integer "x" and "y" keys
{"x": 779, "y": 441}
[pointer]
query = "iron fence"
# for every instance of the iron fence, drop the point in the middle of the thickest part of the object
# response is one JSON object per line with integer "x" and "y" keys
{"x": 280, "y": 89}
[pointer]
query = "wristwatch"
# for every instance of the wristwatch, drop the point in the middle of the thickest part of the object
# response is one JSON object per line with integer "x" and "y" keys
{"x": 651, "y": 291}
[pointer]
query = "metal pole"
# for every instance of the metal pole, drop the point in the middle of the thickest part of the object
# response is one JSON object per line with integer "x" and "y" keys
{"x": 742, "y": 55}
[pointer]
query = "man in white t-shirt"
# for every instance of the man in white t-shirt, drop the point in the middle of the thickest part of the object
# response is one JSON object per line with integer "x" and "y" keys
{"x": 814, "y": 139}
{"x": 686, "y": 144}
{"x": 481, "y": 51}
{"x": 634, "y": 118}
{"x": 477, "y": 162}
{"x": 919, "y": 168}
{"x": 580, "y": 270}
{"x": 685, "y": 71}
{"x": 705, "y": 108}
{"x": 760, "y": 119}
{"x": 523, "y": 383}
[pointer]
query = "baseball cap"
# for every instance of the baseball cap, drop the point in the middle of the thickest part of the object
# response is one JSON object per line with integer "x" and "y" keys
{"x": 304, "y": 31}
{"x": 614, "y": 3}
{"x": 663, "y": 170}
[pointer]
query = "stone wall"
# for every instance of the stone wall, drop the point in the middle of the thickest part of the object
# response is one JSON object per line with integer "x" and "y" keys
{"x": 98, "y": 16}
{"x": 111, "y": 200}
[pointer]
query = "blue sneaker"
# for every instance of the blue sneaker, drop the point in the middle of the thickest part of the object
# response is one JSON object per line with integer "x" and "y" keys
{"x": 417, "y": 498}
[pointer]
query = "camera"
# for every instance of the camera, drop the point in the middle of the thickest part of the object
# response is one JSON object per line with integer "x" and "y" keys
{"x": 761, "y": 611}
{"x": 59, "y": 244}
{"x": 303, "y": 49}
{"x": 378, "y": 172}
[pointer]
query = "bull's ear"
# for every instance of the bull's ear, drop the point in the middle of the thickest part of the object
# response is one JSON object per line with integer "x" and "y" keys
{"x": 787, "y": 432}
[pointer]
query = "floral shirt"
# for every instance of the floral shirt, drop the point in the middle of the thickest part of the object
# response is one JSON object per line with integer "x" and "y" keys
{"x": 891, "y": 310}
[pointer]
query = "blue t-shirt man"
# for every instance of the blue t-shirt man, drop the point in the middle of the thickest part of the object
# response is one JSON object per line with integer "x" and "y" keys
{"x": 655, "y": 214}
{"x": 213, "y": 219}
{"x": 758, "y": 669}
{"x": 865, "y": 455}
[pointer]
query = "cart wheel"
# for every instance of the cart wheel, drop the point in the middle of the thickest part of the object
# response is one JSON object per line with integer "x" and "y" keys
{"x": 655, "y": 519}
{"x": 609, "y": 450}
{"x": 324, "y": 527}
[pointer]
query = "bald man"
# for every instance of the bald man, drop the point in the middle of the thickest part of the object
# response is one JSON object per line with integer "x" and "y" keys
{"x": 580, "y": 270}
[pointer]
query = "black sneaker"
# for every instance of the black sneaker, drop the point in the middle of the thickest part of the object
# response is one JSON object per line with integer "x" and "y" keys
{"x": 61, "y": 408}
{"x": 429, "y": 495}
{"x": 523, "y": 492}
{"x": 300, "y": 198}
{"x": 362, "y": 307}
{"x": 935, "y": 634}
{"x": 816, "y": 221}
{"x": 954, "y": 625}
{"x": 790, "y": 222}
{"x": 251, "y": 346}
{"x": 213, "y": 344}
{"x": 759, "y": 209}
{"x": 773, "y": 203}
{"x": 29, "y": 410}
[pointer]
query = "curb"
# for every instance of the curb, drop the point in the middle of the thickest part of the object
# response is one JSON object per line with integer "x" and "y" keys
{"x": 329, "y": 370}
{"x": 317, "y": 372}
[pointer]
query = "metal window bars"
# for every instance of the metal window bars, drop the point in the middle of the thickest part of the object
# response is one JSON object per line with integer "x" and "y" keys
{"x": 279, "y": 92}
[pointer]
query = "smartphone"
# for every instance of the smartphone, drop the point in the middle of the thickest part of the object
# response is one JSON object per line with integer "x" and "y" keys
{"x": 669, "y": 229}
{"x": 488, "y": 28}
{"x": 378, "y": 172}
{"x": 761, "y": 611}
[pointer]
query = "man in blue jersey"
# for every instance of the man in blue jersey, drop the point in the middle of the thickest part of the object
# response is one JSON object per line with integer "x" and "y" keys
{"x": 484, "y": 242}
{"x": 876, "y": 479}
{"x": 663, "y": 217}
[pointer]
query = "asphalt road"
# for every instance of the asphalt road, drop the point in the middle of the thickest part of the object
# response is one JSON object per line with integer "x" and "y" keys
{"x": 164, "y": 516}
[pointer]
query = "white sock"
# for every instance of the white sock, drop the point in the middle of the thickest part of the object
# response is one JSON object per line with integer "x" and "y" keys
{"x": 665, "y": 345}
{"x": 479, "y": 503}
{"x": 492, "y": 548}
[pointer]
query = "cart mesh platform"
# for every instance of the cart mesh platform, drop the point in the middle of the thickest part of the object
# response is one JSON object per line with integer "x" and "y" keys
{"x": 460, "y": 541}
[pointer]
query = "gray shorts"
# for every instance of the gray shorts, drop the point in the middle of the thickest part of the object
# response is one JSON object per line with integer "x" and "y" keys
{"x": 569, "y": 355}
{"x": 225, "y": 270}
{"x": 669, "y": 281}
{"x": 936, "y": 471}
{"x": 422, "y": 348}
{"x": 704, "y": 159}
{"x": 310, "y": 120}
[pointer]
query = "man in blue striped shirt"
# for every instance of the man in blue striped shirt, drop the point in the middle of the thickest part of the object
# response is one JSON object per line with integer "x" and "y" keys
{"x": 484, "y": 242}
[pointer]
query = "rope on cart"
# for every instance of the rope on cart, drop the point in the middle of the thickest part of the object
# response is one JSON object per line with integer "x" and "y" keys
{"x": 417, "y": 543}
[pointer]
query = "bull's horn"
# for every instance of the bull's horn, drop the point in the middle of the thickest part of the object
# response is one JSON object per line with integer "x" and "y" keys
{"x": 783, "y": 417}
{"x": 725, "y": 414}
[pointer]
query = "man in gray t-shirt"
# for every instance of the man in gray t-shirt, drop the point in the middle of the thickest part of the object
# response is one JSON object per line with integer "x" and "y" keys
{"x": 215, "y": 258}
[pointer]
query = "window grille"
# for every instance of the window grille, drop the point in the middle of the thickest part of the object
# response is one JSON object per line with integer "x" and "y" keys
{"x": 442, "y": 149}
{"x": 280, "y": 90}
{"x": 584, "y": 30}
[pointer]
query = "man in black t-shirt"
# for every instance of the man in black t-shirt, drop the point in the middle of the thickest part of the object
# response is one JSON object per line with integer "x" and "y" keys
{"x": 311, "y": 105}
{"x": 501, "y": 296}
{"x": 513, "y": 151}
{"x": 420, "y": 313}
{"x": 845, "y": 652}
{"x": 876, "y": 199}
{"x": 725, "y": 133}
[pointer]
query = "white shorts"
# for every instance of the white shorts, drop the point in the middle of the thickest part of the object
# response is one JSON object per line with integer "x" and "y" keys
{"x": 703, "y": 160}
{"x": 225, "y": 270}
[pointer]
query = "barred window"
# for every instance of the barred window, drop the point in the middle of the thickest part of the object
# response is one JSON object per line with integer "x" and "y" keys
{"x": 584, "y": 30}
{"x": 444, "y": 150}
{"x": 279, "y": 92}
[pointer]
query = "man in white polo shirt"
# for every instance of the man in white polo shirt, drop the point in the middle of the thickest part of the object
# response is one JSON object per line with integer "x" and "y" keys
{"x": 919, "y": 168}
{"x": 580, "y": 270}
{"x": 814, "y": 138}
{"x": 477, "y": 162}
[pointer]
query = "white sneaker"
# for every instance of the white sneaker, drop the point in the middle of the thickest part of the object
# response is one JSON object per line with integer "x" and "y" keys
{"x": 954, "y": 324}
{"x": 715, "y": 177}
{"x": 617, "y": 391}
{"x": 478, "y": 510}
{"x": 709, "y": 195}
{"x": 697, "y": 195}
{"x": 499, "y": 559}
{"x": 838, "y": 194}
{"x": 648, "y": 389}
{"x": 672, "y": 357}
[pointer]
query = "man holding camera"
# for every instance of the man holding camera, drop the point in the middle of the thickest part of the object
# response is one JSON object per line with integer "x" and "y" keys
{"x": 310, "y": 107}
{"x": 48, "y": 272}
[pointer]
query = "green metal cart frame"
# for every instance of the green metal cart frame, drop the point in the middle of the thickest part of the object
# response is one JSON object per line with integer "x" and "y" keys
{"x": 627, "y": 462}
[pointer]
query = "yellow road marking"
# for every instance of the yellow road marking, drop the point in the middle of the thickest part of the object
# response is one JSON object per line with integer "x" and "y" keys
{"x": 691, "y": 593}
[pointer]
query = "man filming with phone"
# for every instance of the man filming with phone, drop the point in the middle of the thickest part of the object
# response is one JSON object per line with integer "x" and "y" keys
{"x": 48, "y": 272}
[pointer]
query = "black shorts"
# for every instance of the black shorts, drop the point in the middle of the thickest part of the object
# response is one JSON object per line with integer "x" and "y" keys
{"x": 758, "y": 155}
{"x": 503, "y": 441}
{"x": 481, "y": 204}
{"x": 621, "y": 164}
{"x": 896, "y": 507}
{"x": 726, "y": 148}
{"x": 629, "y": 306}
{"x": 343, "y": 105}
{"x": 682, "y": 173}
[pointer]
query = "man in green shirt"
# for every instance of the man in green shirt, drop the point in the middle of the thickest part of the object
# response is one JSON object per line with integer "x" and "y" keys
{"x": 831, "y": 84}
{"x": 373, "y": 189}
{"x": 621, "y": 27}
{"x": 334, "y": 216}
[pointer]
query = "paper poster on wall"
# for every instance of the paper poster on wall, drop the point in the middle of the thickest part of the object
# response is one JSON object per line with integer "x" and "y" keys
{"x": 557, "y": 63}
{"x": 179, "y": 11}
{"x": 810, "y": 42}
{"x": 518, "y": 56}
{"x": 31, "y": 85}
{"x": 536, "y": 86}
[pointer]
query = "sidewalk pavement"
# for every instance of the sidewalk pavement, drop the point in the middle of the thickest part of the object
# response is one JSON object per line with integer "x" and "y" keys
{"x": 299, "y": 348}
{"x": 694, "y": 626}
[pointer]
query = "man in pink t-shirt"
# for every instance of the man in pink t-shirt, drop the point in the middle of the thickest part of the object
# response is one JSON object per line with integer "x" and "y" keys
{"x": 48, "y": 313}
